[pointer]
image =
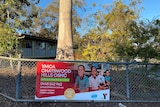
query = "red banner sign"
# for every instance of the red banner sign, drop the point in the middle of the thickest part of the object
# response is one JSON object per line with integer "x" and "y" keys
{"x": 53, "y": 78}
{"x": 71, "y": 81}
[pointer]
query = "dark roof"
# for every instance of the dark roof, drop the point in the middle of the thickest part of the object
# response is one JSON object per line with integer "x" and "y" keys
{"x": 31, "y": 37}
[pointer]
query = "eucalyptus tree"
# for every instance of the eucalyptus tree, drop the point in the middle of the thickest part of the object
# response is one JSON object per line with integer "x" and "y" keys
{"x": 13, "y": 18}
{"x": 109, "y": 31}
{"x": 95, "y": 46}
{"x": 65, "y": 43}
{"x": 145, "y": 39}
{"x": 116, "y": 22}
{"x": 46, "y": 24}
{"x": 65, "y": 36}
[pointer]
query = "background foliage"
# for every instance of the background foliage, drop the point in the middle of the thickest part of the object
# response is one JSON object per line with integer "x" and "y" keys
{"x": 114, "y": 33}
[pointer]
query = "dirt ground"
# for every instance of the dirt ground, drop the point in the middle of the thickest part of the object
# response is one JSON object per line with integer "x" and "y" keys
{"x": 4, "y": 102}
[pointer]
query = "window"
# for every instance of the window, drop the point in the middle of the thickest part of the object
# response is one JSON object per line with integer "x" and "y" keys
{"x": 51, "y": 46}
{"x": 26, "y": 44}
{"x": 40, "y": 45}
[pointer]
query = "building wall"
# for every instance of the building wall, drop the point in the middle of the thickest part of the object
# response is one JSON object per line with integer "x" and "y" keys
{"x": 37, "y": 49}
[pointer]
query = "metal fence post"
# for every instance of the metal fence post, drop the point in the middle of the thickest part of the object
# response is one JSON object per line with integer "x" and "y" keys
{"x": 18, "y": 79}
{"x": 146, "y": 69}
{"x": 127, "y": 81}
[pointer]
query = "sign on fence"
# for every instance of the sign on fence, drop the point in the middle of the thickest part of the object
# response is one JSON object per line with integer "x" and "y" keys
{"x": 72, "y": 81}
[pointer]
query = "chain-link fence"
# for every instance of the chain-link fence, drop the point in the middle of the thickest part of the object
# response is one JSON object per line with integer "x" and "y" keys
{"x": 135, "y": 81}
{"x": 129, "y": 81}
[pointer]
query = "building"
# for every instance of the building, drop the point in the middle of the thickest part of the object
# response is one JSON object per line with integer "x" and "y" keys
{"x": 37, "y": 47}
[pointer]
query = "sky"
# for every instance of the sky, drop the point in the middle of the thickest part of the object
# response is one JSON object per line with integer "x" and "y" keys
{"x": 151, "y": 7}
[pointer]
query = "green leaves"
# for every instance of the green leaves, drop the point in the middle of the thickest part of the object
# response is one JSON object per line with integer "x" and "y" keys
{"x": 8, "y": 39}
{"x": 14, "y": 18}
{"x": 145, "y": 38}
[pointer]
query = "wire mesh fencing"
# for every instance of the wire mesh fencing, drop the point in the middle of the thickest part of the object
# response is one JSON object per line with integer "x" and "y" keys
{"x": 144, "y": 81}
{"x": 129, "y": 81}
{"x": 8, "y": 71}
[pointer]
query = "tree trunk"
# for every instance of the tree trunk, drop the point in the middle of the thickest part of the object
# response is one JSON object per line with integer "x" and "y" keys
{"x": 65, "y": 41}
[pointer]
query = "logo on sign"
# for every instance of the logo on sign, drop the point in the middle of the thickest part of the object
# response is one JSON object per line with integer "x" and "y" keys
{"x": 94, "y": 96}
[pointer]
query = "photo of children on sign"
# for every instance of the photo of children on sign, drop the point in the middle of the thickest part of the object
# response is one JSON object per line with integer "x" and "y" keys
{"x": 72, "y": 81}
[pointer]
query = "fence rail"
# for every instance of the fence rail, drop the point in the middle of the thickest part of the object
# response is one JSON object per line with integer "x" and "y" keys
{"x": 130, "y": 81}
